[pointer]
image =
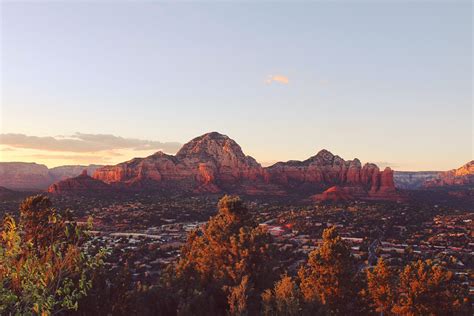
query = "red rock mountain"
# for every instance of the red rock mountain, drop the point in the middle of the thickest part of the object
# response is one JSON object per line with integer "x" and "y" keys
{"x": 206, "y": 163}
{"x": 213, "y": 162}
{"x": 325, "y": 170}
{"x": 79, "y": 184}
{"x": 461, "y": 176}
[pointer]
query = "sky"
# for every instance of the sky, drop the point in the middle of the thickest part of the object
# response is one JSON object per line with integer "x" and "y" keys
{"x": 102, "y": 82}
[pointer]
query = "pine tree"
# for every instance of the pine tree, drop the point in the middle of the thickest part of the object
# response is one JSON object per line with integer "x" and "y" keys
{"x": 329, "y": 276}
{"x": 238, "y": 298}
{"x": 284, "y": 299}
{"x": 427, "y": 289}
{"x": 214, "y": 262}
{"x": 381, "y": 283}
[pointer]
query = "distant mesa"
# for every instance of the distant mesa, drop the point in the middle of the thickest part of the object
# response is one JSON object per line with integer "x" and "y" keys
{"x": 33, "y": 176}
{"x": 464, "y": 175}
{"x": 413, "y": 180}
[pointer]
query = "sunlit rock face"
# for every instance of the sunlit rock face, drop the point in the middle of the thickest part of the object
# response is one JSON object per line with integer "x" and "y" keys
{"x": 461, "y": 176}
{"x": 326, "y": 169}
{"x": 333, "y": 194}
{"x": 209, "y": 161}
{"x": 214, "y": 162}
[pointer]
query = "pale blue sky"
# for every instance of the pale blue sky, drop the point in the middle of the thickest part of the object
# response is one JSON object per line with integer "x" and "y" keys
{"x": 388, "y": 82}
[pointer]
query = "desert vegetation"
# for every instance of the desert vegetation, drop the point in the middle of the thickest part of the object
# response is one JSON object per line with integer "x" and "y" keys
{"x": 229, "y": 266}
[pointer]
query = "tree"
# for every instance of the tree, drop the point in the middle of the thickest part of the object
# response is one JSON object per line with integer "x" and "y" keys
{"x": 238, "y": 298}
{"x": 381, "y": 283}
{"x": 426, "y": 288}
{"x": 329, "y": 277}
{"x": 216, "y": 260}
{"x": 284, "y": 299}
{"x": 42, "y": 267}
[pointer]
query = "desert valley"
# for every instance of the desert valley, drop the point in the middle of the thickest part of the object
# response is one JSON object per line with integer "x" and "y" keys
{"x": 236, "y": 158}
{"x": 143, "y": 210}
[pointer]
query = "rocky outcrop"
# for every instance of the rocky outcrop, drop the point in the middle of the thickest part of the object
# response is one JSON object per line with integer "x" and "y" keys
{"x": 213, "y": 162}
{"x": 80, "y": 184}
{"x": 32, "y": 176}
{"x": 461, "y": 176}
{"x": 413, "y": 180}
{"x": 325, "y": 170}
{"x": 333, "y": 194}
{"x": 205, "y": 164}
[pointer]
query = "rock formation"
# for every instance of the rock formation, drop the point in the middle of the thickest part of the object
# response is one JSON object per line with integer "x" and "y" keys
{"x": 325, "y": 170}
{"x": 461, "y": 176}
{"x": 205, "y": 164}
{"x": 213, "y": 163}
{"x": 24, "y": 176}
{"x": 69, "y": 171}
{"x": 333, "y": 194}
{"x": 32, "y": 176}
{"x": 412, "y": 180}
{"x": 80, "y": 184}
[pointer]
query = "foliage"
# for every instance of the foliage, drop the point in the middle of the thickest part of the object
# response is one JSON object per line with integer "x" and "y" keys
{"x": 42, "y": 268}
{"x": 284, "y": 299}
{"x": 329, "y": 277}
{"x": 426, "y": 288}
{"x": 381, "y": 284}
{"x": 219, "y": 264}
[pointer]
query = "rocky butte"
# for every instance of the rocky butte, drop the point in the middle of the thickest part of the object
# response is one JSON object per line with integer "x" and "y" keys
{"x": 80, "y": 184}
{"x": 214, "y": 163}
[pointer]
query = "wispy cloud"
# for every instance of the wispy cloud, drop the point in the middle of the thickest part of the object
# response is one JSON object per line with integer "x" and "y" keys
{"x": 81, "y": 143}
{"x": 277, "y": 78}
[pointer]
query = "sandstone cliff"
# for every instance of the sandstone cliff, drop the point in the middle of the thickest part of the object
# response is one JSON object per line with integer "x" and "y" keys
{"x": 213, "y": 163}
{"x": 24, "y": 176}
{"x": 412, "y": 180}
{"x": 464, "y": 175}
{"x": 325, "y": 169}
{"x": 204, "y": 164}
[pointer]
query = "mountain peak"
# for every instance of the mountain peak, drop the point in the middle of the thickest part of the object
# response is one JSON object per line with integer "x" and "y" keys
{"x": 324, "y": 153}
{"x": 211, "y": 144}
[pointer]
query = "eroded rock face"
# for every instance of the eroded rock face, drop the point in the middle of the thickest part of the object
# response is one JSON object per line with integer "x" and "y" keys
{"x": 214, "y": 162}
{"x": 412, "y": 180}
{"x": 210, "y": 161}
{"x": 461, "y": 176}
{"x": 79, "y": 184}
{"x": 23, "y": 175}
{"x": 333, "y": 194}
{"x": 326, "y": 169}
